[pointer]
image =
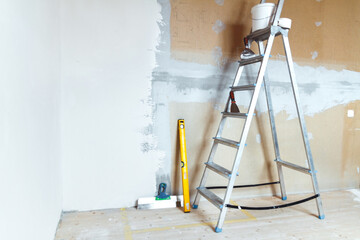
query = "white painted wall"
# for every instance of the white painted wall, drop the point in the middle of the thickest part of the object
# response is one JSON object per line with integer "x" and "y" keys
{"x": 107, "y": 61}
{"x": 30, "y": 179}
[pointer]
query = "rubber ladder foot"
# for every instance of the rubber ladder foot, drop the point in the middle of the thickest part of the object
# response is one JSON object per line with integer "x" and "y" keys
{"x": 284, "y": 198}
{"x": 321, "y": 217}
{"x": 195, "y": 206}
{"x": 218, "y": 230}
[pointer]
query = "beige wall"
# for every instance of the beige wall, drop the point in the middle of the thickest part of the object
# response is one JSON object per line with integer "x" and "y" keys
{"x": 325, "y": 27}
{"x": 335, "y": 39}
{"x": 334, "y": 141}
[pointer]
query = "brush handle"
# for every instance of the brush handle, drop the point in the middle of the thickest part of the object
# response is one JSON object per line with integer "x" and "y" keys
{"x": 232, "y": 97}
{"x": 247, "y": 43}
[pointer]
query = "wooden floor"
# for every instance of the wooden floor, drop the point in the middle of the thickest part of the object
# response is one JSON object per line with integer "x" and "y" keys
{"x": 342, "y": 221}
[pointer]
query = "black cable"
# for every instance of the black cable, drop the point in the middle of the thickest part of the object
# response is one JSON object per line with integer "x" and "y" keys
{"x": 273, "y": 207}
{"x": 243, "y": 186}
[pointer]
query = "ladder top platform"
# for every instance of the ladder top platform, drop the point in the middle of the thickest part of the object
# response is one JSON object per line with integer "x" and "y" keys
{"x": 264, "y": 34}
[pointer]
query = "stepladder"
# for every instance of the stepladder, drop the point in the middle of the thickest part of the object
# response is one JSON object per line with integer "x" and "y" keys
{"x": 264, "y": 38}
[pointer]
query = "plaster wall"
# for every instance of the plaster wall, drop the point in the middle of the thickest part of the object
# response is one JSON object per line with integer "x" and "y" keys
{"x": 30, "y": 178}
{"x": 131, "y": 69}
{"x": 108, "y": 53}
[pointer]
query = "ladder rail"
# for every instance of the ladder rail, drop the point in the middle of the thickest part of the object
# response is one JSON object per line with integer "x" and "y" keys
{"x": 246, "y": 129}
{"x": 302, "y": 121}
{"x": 273, "y": 126}
{"x": 278, "y": 10}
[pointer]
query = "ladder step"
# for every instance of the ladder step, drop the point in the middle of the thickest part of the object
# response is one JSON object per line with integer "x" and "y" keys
{"x": 264, "y": 34}
{"x": 244, "y": 87}
{"x": 214, "y": 199}
{"x": 219, "y": 169}
{"x": 234, "y": 115}
{"x": 252, "y": 60}
{"x": 260, "y": 35}
{"x": 293, "y": 166}
{"x": 227, "y": 142}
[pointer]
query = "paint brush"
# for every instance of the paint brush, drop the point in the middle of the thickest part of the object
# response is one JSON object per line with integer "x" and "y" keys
{"x": 233, "y": 108}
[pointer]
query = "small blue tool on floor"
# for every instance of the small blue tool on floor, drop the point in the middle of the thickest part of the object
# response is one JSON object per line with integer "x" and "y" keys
{"x": 162, "y": 192}
{"x": 162, "y": 200}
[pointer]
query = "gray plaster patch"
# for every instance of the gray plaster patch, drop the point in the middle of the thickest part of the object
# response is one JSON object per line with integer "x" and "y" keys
{"x": 146, "y": 147}
{"x": 310, "y": 135}
{"x": 219, "y": 2}
{"x": 280, "y": 86}
{"x": 147, "y": 130}
{"x": 159, "y": 122}
{"x": 258, "y": 138}
{"x": 185, "y": 84}
{"x": 345, "y": 83}
{"x": 309, "y": 88}
{"x": 314, "y": 55}
{"x": 217, "y": 54}
{"x": 218, "y": 26}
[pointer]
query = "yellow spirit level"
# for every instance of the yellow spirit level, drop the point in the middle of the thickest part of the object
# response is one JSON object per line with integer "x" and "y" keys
{"x": 184, "y": 169}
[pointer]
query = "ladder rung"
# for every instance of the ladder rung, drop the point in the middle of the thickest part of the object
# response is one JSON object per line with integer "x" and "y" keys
{"x": 244, "y": 87}
{"x": 227, "y": 142}
{"x": 293, "y": 166}
{"x": 235, "y": 115}
{"x": 218, "y": 202}
{"x": 252, "y": 60}
{"x": 219, "y": 169}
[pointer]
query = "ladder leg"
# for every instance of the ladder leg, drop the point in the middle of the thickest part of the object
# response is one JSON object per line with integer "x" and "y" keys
{"x": 275, "y": 139}
{"x": 273, "y": 128}
{"x": 223, "y": 211}
{"x": 302, "y": 124}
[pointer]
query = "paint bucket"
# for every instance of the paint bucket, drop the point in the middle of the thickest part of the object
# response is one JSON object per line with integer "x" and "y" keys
{"x": 261, "y": 15}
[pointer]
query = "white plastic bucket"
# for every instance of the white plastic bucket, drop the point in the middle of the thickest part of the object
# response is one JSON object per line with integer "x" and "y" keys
{"x": 261, "y": 15}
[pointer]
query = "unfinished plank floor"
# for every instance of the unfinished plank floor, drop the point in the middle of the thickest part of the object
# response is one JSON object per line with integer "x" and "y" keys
{"x": 342, "y": 218}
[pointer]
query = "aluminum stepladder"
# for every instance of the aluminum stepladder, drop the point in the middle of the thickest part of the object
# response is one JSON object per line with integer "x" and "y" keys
{"x": 222, "y": 204}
